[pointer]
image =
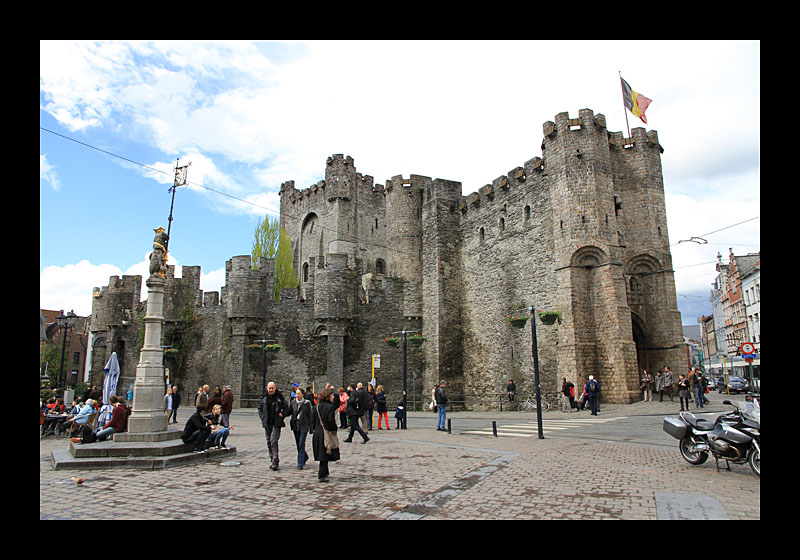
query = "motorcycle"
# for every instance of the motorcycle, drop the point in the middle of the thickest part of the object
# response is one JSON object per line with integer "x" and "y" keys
{"x": 734, "y": 436}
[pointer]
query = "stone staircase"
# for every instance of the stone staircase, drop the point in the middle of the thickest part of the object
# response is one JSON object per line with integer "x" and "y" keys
{"x": 127, "y": 450}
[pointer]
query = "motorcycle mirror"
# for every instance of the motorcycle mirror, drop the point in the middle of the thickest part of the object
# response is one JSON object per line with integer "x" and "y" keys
{"x": 727, "y": 402}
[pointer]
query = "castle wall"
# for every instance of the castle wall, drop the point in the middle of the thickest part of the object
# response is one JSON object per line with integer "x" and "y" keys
{"x": 507, "y": 263}
{"x": 581, "y": 229}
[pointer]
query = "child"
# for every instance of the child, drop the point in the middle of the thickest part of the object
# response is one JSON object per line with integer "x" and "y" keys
{"x": 399, "y": 414}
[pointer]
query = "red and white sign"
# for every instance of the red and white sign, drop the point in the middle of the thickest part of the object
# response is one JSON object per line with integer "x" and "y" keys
{"x": 748, "y": 348}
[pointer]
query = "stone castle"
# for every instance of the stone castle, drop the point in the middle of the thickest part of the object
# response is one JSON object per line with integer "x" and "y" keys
{"x": 581, "y": 230}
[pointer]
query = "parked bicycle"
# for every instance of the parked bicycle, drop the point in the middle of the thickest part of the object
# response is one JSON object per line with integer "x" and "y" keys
{"x": 529, "y": 405}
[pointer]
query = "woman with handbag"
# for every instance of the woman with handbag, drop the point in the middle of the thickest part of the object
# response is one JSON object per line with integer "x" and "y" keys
{"x": 325, "y": 442}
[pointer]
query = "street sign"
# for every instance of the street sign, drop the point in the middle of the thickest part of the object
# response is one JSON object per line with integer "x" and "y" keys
{"x": 748, "y": 348}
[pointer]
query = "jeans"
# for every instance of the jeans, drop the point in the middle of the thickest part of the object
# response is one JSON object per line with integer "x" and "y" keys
{"x": 219, "y": 437}
{"x": 698, "y": 397}
{"x": 300, "y": 440}
{"x": 199, "y": 438}
{"x": 442, "y": 416}
{"x": 593, "y": 404}
{"x": 102, "y": 434}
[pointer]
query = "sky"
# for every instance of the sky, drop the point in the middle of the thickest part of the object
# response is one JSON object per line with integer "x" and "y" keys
{"x": 116, "y": 116}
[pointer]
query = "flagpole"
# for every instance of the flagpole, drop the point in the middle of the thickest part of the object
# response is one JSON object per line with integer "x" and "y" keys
{"x": 624, "y": 108}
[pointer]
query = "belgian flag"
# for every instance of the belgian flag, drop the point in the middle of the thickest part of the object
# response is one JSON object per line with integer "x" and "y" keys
{"x": 636, "y": 103}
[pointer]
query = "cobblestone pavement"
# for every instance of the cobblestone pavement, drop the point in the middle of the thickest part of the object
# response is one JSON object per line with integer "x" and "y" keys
{"x": 418, "y": 473}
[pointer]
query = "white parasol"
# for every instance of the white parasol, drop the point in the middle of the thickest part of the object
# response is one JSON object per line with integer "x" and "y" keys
{"x": 109, "y": 388}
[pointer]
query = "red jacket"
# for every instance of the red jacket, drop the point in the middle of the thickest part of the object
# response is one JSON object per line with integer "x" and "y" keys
{"x": 227, "y": 402}
{"x": 119, "y": 418}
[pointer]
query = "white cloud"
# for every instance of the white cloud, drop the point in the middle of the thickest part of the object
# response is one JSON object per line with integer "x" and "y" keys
{"x": 70, "y": 287}
{"x": 48, "y": 173}
{"x": 212, "y": 281}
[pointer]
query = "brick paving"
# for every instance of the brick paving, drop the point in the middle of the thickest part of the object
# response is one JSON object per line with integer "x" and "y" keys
{"x": 417, "y": 473}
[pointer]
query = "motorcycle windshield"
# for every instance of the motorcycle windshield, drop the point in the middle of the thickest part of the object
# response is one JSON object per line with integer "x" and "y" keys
{"x": 751, "y": 410}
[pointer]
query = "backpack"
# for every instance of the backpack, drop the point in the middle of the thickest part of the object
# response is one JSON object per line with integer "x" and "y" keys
{"x": 87, "y": 435}
{"x": 592, "y": 386}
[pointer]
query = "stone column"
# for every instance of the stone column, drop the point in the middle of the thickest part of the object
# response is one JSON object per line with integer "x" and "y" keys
{"x": 149, "y": 388}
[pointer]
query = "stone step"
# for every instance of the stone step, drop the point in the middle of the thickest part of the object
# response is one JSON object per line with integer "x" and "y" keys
{"x": 63, "y": 459}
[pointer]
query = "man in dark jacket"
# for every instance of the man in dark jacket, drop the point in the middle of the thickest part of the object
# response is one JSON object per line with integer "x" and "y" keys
{"x": 271, "y": 409}
{"x": 356, "y": 406}
{"x": 441, "y": 405}
{"x": 176, "y": 402}
{"x": 197, "y": 429}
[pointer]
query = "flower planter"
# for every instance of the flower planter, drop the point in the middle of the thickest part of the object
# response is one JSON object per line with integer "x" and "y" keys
{"x": 416, "y": 341}
{"x": 273, "y": 347}
{"x": 550, "y": 317}
{"x": 516, "y": 321}
{"x": 392, "y": 341}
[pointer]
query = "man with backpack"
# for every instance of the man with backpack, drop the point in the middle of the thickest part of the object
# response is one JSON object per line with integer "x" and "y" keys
{"x": 356, "y": 406}
{"x": 592, "y": 389}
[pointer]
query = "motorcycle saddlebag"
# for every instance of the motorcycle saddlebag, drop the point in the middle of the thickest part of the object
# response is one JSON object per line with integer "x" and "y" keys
{"x": 675, "y": 427}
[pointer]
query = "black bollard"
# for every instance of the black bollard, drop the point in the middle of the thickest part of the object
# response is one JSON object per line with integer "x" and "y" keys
{"x": 448, "y": 425}
{"x": 494, "y": 428}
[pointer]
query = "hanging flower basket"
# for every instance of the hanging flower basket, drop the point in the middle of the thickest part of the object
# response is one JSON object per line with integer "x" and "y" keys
{"x": 273, "y": 347}
{"x": 517, "y": 321}
{"x": 550, "y": 317}
{"x": 254, "y": 346}
{"x": 392, "y": 341}
{"x": 416, "y": 340}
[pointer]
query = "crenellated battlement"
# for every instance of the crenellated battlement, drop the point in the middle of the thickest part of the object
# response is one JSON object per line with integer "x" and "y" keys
{"x": 559, "y": 231}
{"x": 533, "y": 171}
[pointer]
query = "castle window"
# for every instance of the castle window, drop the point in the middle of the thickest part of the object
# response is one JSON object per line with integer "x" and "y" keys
{"x": 380, "y": 267}
{"x": 482, "y": 235}
{"x": 527, "y": 213}
{"x": 635, "y": 294}
{"x": 502, "y": 224}
{"x": 305, "y": 272}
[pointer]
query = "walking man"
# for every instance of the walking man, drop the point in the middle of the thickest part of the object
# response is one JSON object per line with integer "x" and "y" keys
{"x": 356, "y": 406}
{"x": 593, "y": 390}
{"x": 271, "y": 409}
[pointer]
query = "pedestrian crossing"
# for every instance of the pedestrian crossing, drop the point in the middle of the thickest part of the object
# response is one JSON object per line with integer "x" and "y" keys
{"x": 552, "y": 426}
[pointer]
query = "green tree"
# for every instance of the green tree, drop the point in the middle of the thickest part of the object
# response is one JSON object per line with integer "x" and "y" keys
{"x": 272, "y": 241}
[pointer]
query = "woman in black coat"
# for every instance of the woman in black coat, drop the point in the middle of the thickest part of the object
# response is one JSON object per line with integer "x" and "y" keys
{"x": 326, "y": 413}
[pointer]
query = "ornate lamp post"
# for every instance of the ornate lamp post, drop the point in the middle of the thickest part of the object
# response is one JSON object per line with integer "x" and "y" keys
{"x": 65, "y": 322}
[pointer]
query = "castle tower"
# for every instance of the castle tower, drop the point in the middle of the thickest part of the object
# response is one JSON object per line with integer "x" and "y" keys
{"x": 334, "y": 304}
{"x": 441, "y": 285}
{"x": 341, "y": 194}
{"x": 596, "y": 334}
{"x": 248, "y": 293}
{"x": 404, "y": 237}
{"x": 641, "y": 218}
